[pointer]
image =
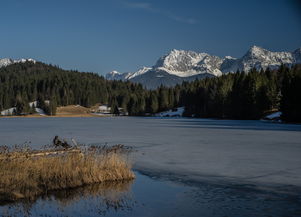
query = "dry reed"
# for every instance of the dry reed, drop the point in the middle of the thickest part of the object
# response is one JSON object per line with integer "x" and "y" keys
{"x": 24, "y": 174}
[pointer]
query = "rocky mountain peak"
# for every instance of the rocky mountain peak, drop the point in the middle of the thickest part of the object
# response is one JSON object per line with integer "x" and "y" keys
{"x": 179, "y": 65}
{"x": 7, "y": 61}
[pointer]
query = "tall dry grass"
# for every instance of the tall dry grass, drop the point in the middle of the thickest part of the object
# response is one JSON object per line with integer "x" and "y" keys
{"x": 26, "y": 175}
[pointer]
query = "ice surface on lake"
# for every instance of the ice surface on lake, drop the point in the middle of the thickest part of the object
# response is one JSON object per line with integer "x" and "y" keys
{"x": 218, "y": 151}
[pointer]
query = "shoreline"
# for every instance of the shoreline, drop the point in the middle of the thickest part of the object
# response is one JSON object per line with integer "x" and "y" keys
{"x": 57, "y": 116}
{"x": 91, "y": 115}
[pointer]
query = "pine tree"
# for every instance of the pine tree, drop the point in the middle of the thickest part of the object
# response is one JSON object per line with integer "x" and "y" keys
{"x": 154, "y": 105}
{"x": 52, "y": 107}
{"x": 114, "y": 107}
{"x": 291, "y": 95}
{"x": 163, "y": 99}
{"x": 20, "y": 106}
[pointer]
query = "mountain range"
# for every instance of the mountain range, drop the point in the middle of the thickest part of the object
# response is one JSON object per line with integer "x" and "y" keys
{"x": 7, "y": 61}
{"x": 180, "y": 65}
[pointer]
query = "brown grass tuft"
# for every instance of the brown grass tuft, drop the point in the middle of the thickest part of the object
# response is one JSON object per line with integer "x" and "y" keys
{"x": 26, "y": 173}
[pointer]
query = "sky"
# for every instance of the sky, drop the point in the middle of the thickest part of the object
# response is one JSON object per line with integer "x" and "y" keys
{"x": 124, "y": 35}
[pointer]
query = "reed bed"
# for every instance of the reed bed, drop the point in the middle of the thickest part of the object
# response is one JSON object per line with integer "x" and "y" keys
{"x": 26, "y": 173}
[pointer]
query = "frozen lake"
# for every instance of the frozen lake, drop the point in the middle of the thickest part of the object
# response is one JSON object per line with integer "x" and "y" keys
{"x": 224, "y": 159}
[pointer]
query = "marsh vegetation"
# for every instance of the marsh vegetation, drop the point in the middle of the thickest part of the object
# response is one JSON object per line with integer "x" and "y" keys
{"x": 26, "y": 173}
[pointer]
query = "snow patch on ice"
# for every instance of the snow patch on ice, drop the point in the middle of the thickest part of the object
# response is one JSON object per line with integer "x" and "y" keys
{"x": 40, "y": 111}
{"x": 33, "y": 104}
{"x": 275, "y": 115}
{"x": 178, "y": 112}
{"x": 9, "y": 111}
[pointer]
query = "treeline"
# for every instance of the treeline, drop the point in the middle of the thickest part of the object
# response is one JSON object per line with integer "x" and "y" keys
{"x": 246, "y": 95}
{"x": 234, "y": 96}
{"x": 27, "y": 82}
{"x": 240, "y": 95}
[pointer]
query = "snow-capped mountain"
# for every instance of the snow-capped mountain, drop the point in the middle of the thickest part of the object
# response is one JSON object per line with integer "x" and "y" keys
{"x": 260, "y": 58}
{"x": 7, "y": 61}
{"x": 139, "y": 72}
{"x": 188, "y": 63}
{"x": 179, "y": 65}
{"x": 114, "y": 75}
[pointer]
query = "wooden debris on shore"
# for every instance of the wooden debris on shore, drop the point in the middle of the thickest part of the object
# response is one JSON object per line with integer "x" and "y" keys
{"x": 58, "y": 143}
{"x": 60, "y": 148}
{"x": 42, "y": 153}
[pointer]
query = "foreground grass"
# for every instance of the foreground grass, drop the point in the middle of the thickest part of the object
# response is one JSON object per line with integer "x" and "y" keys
{"x": 24, "y": 174}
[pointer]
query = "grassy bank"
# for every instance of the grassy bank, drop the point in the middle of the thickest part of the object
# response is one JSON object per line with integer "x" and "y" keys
{"x": 26, "y": 173}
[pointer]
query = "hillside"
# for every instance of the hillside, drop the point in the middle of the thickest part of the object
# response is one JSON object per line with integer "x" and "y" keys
{"x": 234, "y": 95}
{"x": 21, "y": 83}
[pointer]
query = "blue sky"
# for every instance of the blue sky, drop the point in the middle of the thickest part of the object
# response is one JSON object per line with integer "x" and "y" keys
{"x": 124, "y": 35}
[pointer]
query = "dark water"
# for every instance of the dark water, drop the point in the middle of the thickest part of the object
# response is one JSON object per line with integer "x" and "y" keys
{"x": 148, "y": 196}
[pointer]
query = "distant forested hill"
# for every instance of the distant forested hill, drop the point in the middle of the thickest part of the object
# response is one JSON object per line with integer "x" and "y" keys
{"x": 26, "y": 82}
{"x": 246, "y": 95}
{"x": 235, "y": 96}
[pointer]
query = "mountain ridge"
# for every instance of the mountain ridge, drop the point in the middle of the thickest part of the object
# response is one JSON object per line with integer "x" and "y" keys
{"x": 180, "y": 65}
{"x": 8, "y": 61}
{"x": 188, "y": 64}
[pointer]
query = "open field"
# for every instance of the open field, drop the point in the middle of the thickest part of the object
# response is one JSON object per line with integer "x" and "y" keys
{"x": 72, "y": 110}
{"x": 65, "y": 111}
{"x": 58, "y": 115}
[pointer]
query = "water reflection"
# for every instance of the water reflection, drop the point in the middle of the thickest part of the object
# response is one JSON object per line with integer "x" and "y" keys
{"x": 99, "y": 199}
{"x": 157, "y": 196}
{"x": 111, "y": 196}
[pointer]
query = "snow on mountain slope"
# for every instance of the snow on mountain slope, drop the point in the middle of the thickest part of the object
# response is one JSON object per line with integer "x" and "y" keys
{"x": 7, "y": 61}
{"x": 139, "y": 72}
{"x": 259, "y": 58}
{"x": 114, "y": 75}
{"x": 188, "y": 63}
{"x": 179, "y": 65}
